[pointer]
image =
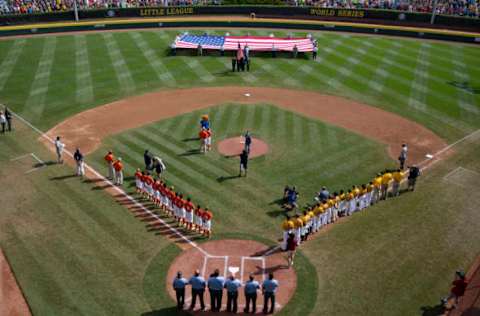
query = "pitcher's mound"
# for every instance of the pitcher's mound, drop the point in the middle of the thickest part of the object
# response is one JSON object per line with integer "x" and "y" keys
{"x": 241, "y": 257}
{"x": 234, "y": 147}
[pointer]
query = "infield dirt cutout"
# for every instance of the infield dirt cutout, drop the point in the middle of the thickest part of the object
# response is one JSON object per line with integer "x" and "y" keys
{"x": 86, "y": 130}
{"x": 231, "y": 254}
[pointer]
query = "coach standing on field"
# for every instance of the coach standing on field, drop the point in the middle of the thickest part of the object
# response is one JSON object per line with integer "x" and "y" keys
{"x": 179, "y": 284}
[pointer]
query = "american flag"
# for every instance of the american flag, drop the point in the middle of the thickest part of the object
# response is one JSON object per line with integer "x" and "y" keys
{"x": 255, "y": 43}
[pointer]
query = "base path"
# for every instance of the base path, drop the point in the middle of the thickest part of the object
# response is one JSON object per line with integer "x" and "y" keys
{"x": 242, "y": 257}
{"x": 12, "y": 302}
{"x": 87, "y": 129}
{"x": 234, "y": 146}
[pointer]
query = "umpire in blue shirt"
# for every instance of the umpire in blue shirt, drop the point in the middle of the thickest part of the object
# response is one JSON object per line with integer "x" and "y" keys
{"x": 269, "y": 289}
{"x": 198, "y": 289}
{"x": 251, "y": 288}
{"x": 232, "y": 285}
{"x": 215, "y": 286}
{"x": 179, "y": 284}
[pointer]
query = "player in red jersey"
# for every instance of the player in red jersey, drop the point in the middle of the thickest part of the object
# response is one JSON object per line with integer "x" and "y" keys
{"x": 198, "y": 219}
{"x": 138, "y": 181}
{"x": 207, "y": 222}
{"x": 189, "y": 207}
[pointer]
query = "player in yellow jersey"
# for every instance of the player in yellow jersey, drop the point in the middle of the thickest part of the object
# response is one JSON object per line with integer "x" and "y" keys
{"x": 331, "y": 204}
{"x": 298, "y": 228}
{"x": 318, "y": 217}
{"x": 352, "y": 202}
{"x": 325, "y": 213}
{"x": 341, "y": 203}
{"x": 362, "y": 197}
{"x": 287, "y": 227}
{"x": 397, "y": 179}
{"x": 356, "y": 193}
{"x": 312, "y": 220}
{"x": 377, "y": 185}
{"x": 306, "y": 222}
{"x": 370, "y": 187}
{"x": 386, "y": 179}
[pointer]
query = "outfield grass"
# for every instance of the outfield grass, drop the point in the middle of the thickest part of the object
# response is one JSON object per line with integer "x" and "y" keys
{"x": 303, "y": 152}
{"x": 75, "y": 251}
{"x": 50, "y": 78}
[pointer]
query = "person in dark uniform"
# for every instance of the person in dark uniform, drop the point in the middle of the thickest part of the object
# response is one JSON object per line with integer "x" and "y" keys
{"x": 295, "y": 51}
{"x": 198, "y": 289}
{"x": 8, "y": 116}
{"x": 315, "y": 51}
{"x": 413, "y": 174}
{"x": 232, "y": 286}
{"x": 248, "y": 141}
{"x": 251, "y": 288}
{"x": 147, "y": 158}
{"x": 234, "y": 64}
{"x": 179, "y": 284}
{"x": 243, "y": 163}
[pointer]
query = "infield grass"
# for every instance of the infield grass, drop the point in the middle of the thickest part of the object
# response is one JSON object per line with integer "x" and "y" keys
{"x": 303, "y": 152}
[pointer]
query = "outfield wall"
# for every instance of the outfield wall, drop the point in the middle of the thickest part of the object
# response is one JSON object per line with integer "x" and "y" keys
{"x": 394, "y": 23}
{"x": 156, "y": 23}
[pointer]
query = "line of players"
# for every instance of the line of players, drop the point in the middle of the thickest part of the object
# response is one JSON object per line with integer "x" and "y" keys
{"x": 174, "y": 204}
{"x": 329, "y": 208}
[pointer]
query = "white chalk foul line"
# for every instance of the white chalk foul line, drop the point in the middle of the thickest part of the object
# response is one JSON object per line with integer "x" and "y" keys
{"x": 446, "y": 148}
{"x": 119, "y": 190}
{"x": 135, "y": 202}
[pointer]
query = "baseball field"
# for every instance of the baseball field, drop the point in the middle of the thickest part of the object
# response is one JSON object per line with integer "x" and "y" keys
{"x": 80, "y": 247}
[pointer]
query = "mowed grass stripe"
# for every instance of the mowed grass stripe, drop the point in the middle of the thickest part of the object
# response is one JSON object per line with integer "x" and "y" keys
{"x": 35, "y": 103}
{"x": 57, "y": 300}
{"x": 84, "y": 91}
{"x": 122, "y": 72}
{"x": 151, "y": 56}
{"x": 10, "y": 60}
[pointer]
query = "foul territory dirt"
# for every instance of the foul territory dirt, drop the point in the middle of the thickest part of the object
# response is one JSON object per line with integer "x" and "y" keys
{"x": 12, "y": 302}
{"x": 87, "y": 129}
{"x": 226, "y": 255}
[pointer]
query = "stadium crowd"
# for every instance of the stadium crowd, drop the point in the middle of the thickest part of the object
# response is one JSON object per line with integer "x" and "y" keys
{"x": 449, "y": 7}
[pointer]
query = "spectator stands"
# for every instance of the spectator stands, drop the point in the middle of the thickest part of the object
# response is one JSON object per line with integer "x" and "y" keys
{"x": 449, "y": 7}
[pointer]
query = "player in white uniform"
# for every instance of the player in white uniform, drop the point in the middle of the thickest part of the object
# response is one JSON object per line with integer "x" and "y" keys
{"x": 59, "y": 146}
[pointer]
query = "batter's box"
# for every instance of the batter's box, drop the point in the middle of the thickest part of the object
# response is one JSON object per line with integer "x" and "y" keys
{"x": 252, "y": 265}
{"x": 211, "y": 263}
{"x": 37, "y": 163}
{"x": 463, "y": 177}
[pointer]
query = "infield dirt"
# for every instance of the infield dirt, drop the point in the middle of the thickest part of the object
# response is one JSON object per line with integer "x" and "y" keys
{"x": 87, "y": 129}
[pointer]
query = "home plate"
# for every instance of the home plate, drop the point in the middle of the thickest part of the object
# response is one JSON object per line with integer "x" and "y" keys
{"x": 233, "y": 270}
{"x": 247, "y": 94}
{"x": 429, "y": 156}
